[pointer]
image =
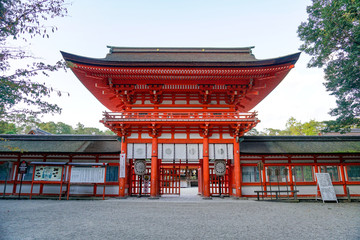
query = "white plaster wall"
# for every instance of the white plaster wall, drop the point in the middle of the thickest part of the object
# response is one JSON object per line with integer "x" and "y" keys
{"x": 231, "y": 151}
{"x": 354, "y": 189}
{"x": 168, "y": 152}
{"x": 109, "y": 190}
{"x": 165, "y": 136}
{"x": 211, "y": 151}
{"x": 148, "y": 150}
{"x": 249, "y": 190}
{"x": 193, "y": 151}
{"x": 133, "y": 135}
{"x": 180, "y": 135}
{"x": 160, "y": 147}
{"x": 145, "y": 136}
{"x": 180, "y": 151}
{"x": 201, "y": 151}
{"x": 26, "y": 188}
{"x": 9, "y": 188}
{"x": 307, "y": 190}
{"x": 194, "y": 136}
{"x": 215, "y": 136}
{"x": 221, "y": 151}
{"x": 139, "y": 151}
{"x": 49, "y": 188}
{"x": 339, "y": 189}
{"x": 130, "y": 153}
{"x": 227, "y": 136}
{"x": 88, "y": 189}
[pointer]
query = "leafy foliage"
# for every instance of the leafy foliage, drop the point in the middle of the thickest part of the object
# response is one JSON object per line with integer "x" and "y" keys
{"x": 331, "y": 36}
{"x": 294, "y": 128}
{"x": 8, "y": 128}
{"x": 20, "y": 96}
{"x": 50, "y": 127}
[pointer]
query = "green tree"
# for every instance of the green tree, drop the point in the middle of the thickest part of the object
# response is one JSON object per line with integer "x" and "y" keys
{"x": 294, "y": 127}
{"x": 8, "y": 128}
{"x": 49, "y": 127}
{"x": 63, "y": 128}
{"x": 80, "y": 128}
{"x": 331, "y": 35}
{"x": 313, "y": 128}
{"x": 22, "y": 20}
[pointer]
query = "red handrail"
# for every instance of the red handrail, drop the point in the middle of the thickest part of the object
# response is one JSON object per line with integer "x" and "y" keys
{"x": 123, "y": 116}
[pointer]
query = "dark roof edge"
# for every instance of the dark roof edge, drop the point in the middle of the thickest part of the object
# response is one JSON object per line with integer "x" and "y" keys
{"x": 57, "y": 153}
{"x": 62, "y": 137}
{"x": 103, "y": 62}
{"x": 299, "y": 138}
{"x": 115, "y": 49}
{"x": 300, "y": 153}
{"x": 71, "y": 137}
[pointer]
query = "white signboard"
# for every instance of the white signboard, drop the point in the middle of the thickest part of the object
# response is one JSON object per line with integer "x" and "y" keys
{"x": 87, "y": 175}
{"x": 48, "y": 173}
{"x": 326, "y": 188}
{"x": 122, "y": 165}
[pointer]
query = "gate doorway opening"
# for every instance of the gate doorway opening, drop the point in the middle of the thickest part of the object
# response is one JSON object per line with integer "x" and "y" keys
{"x": 180, "y": 179}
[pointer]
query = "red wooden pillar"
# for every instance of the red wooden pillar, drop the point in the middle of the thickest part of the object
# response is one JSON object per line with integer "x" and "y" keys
{"x": 342, "y": 174}
{"x": 154, "y": 189}
{"x": 122, "y": 181}
{"x": 237, "y": 170}
{"x": 206, "y": 175}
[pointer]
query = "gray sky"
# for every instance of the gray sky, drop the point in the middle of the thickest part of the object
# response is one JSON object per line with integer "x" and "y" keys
{"x": 270, "y": 26}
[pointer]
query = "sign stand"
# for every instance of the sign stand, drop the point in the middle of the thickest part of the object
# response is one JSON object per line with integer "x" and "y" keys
{"x": 327, "y": 190}
{"x": 22, "y": 170}
{"x": 260, "y": 167}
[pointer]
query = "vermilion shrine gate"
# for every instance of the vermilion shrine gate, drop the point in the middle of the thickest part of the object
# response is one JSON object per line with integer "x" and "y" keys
{"x": 181, "y": 108}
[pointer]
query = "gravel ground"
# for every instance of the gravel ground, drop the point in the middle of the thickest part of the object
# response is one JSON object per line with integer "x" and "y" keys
{"x": 185, "y": 217}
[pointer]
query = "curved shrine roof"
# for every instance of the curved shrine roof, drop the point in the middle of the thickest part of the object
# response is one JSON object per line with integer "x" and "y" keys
{"x": 180, "y": 57}
{"x": 180, "y": 66}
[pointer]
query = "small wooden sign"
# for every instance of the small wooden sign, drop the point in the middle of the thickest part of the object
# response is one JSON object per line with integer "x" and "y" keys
{"x": 23, "y": 167}
{"x": 260, "y": 166}
{"x": 122, "y": 165}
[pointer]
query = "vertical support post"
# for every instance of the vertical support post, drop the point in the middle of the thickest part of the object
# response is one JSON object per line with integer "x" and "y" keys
{"x": 32, "y": 182}
{"x": 104, "y": 180}
{"x": 62, "y": 180}
{"x": 16, "y": 174}
{"x": 237, "y": 169}
{"x": 69, "y": 179}
{"x": 154, "y": 188}
{"x": 343, "y": 180}
{"x": 291, "y": 179}
{"x": 200, "y": 178}
{"x": 206, "y": 174}
{"x": 122, "y": 181}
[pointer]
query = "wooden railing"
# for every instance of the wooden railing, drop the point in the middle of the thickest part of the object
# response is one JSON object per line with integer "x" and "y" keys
{"x": 179, "y": 116}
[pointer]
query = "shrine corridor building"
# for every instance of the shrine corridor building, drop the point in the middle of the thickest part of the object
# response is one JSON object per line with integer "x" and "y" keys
{"x": 182, "y": 113}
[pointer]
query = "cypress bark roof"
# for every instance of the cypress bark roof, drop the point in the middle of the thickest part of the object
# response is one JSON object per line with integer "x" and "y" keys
{"x": 111, "y": 144}
{"x": 180, "y": 57}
